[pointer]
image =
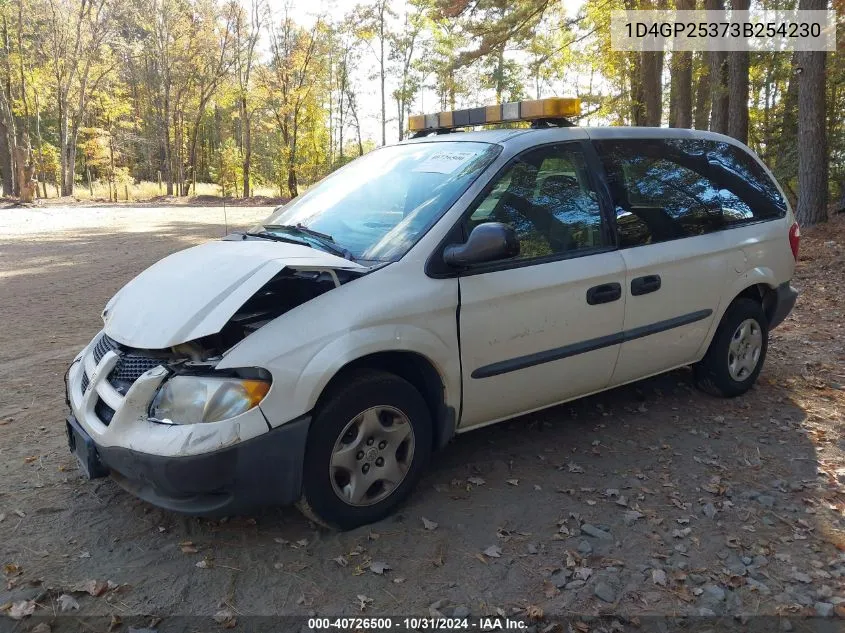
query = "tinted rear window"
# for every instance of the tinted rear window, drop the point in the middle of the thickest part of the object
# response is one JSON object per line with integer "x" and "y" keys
{"x": 667, "y": 189}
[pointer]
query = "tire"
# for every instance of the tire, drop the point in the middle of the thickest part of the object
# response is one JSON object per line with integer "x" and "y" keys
{"x": 341, "y": 485}
{"x": 722, "y": 372}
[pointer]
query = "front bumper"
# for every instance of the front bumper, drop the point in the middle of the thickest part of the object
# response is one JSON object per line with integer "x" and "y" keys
{"x": 208, "y": 469}
{"x": 784, "y": 301}
{"x": 266, "y": 470}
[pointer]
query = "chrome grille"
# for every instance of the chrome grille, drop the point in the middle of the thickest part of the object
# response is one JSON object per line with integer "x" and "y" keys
{"x": 130, "y": 367}
{"x": 105, "y": 344}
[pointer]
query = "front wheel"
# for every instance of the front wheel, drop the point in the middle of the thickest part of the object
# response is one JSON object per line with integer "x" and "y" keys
{"x": 737, "y": 351}
{"x": 368, "y": 445}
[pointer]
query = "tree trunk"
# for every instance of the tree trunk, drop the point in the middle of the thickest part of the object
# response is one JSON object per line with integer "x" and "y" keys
{"x": 702, "y": 95}
{"x": 69, "y": 183}
{"x": 635, "y": 78}
{"x": 783, "y": 156}
{"x": 718, "y": 72}
{"x": 636, "y": 87}
{"x": 168, "y": 150}
{"x": 719, "y": 100}
{"x": 738, "y": 89}
{"x": 680, "y": 89}
{"x": 292, "y": 184}
{"x": 651, "y": 70}
{"x": 63, "y": 157}
{"x": 247, "y": 147}
{"x": 6, "y": 170}
{"x": 812, "y": 132}
{"x": 738, "y": 65}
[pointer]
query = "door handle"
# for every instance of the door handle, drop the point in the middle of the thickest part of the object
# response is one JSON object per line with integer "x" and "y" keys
{"x": 644, "y": 285}
{"x": 604, "y": 293}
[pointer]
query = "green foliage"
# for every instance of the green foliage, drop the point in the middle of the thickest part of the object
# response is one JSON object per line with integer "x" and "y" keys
{"x": 228, "y": 170}
{"x": 192, "y": 91}
{"x": 46, "y": 161}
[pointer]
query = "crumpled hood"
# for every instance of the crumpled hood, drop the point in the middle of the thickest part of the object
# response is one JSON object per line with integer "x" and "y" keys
{"x": 193, "y": 293}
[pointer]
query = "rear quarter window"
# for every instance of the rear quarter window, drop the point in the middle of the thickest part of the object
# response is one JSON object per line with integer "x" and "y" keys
{"x": 666, "y": 189}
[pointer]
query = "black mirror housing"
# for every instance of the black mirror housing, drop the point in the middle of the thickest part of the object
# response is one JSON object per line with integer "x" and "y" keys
{"x": 488, "y": 242}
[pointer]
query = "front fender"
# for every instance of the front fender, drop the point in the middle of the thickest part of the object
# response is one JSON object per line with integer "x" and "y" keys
{"x": 295, "y": 392}
{"x": 395, "y": 309}
{"x": 372, "y": 340}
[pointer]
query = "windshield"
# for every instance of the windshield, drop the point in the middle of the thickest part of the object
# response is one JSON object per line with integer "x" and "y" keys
{"x": 378, "y": 206}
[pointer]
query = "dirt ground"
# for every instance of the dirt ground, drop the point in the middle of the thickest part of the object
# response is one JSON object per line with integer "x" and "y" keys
{"x": 649, "y": 499}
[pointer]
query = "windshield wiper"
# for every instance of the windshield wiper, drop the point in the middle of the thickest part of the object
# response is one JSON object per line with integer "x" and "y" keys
{"x": 324, "y": 239}
{"x": 265, "y": 235}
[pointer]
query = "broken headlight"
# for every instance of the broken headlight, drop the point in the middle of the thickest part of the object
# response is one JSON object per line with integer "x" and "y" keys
{"x": 195, "y": 399}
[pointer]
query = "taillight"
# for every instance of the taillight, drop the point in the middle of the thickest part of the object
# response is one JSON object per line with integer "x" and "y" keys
{"x": 794, "y": 239}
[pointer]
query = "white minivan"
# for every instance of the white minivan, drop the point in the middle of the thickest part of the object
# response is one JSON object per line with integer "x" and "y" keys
{"x": 428, "y": 288}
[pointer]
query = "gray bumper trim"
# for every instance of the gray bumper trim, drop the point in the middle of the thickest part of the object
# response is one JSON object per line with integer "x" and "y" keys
{"x": 265, "y": 470}
{"x": 785, "y": 296}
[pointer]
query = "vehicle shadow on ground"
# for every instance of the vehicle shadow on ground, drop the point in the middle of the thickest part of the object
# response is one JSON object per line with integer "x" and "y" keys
{"x": 740, "y": 474}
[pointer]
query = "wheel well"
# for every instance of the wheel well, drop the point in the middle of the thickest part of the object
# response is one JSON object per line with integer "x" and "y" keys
{"x": 763, "y": 294}
{"x": 417, "y": 370}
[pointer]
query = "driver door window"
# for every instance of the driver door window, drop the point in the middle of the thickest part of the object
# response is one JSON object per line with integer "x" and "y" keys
{"x": 547, "y": 197}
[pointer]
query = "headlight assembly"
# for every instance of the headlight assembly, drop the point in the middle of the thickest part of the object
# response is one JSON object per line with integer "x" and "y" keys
{"x": 195, "y": 399}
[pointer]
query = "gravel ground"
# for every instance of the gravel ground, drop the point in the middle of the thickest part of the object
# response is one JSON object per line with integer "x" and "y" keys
{"x": 652, "y": 499}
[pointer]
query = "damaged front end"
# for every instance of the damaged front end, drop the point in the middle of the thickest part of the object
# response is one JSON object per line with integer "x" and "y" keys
{"x": 284, "y": 292}
{"x": 171, "y": 427}
{"x": 193, "y": 391}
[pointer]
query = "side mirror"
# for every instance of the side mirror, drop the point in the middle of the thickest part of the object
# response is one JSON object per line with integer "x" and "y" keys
{"x": 487, "y": 242}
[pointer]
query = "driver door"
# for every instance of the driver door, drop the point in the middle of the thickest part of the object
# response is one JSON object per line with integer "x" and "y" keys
{"x": 545, "y": 326}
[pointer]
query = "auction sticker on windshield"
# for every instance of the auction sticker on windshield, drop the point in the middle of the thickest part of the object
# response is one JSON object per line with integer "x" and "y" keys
{"x": 446, "y": 162}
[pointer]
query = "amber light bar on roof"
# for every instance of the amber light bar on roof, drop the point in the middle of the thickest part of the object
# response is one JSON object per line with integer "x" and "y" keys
{"x": 551, "y": 108}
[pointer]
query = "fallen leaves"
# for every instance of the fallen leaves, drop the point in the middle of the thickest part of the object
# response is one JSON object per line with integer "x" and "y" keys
{"x": 476, "y": 481}
{"x": 67, "y": 602}
{"x": 494, "y": 551}
{"x": 379, "y": 567}
{"x": 94, "y": 588}
{"x": 188, "y": 547}
{"x": 534, "y": 613}
{"x": 658, "y": 577}
{"x": 225, "y": 618}
{"x": 363, "y": 601}
{"x": 429, "y": 525}
{"x": 22, "y": 609}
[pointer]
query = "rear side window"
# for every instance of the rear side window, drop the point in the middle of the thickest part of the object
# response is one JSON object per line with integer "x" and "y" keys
{"x": 666, "y": 189}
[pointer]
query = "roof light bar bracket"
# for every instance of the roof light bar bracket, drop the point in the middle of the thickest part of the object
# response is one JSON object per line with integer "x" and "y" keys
{"x": 438, "y": 131}
{"x": 539, "y": 124}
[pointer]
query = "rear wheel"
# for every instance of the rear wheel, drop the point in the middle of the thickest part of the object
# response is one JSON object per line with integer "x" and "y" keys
{"x": 369, "y": 443}
{"x": 737, "y": 351}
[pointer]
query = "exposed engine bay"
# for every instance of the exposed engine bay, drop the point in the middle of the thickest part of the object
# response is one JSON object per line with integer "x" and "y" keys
{"x": 285, "y": 291}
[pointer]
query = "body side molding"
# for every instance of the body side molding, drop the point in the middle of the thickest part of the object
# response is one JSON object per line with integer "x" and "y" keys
{"x": 582, "y": 347}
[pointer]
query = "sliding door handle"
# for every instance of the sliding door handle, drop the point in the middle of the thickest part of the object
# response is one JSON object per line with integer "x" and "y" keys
{"x": 605, "y": 293}
{"x": 644, "y": 285}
